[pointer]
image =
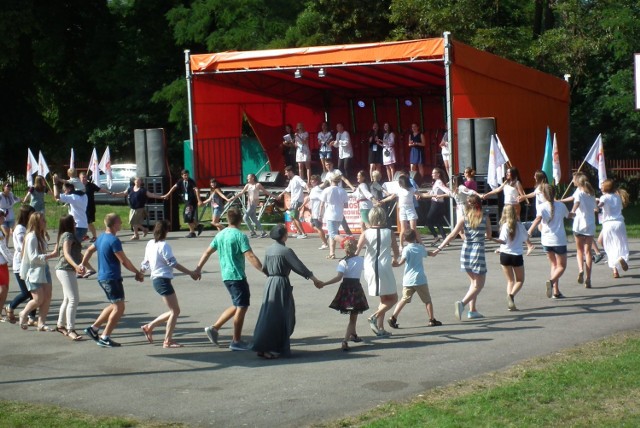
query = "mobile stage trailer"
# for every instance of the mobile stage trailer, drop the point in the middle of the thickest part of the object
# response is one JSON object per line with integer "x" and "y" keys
{"x": 431, "y": 82}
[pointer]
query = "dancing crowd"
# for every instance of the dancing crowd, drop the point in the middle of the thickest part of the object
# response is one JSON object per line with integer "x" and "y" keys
{"x": 371, "y": 257}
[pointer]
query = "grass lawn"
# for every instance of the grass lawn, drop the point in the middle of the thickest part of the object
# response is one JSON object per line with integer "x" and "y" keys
{"x": 596, "y": 384}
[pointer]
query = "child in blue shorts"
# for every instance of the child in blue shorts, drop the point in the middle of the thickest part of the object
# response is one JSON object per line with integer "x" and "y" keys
{"x": 414, "y": 280}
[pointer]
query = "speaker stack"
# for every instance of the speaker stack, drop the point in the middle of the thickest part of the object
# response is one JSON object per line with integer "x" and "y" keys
{"x": 150, "y": 149}
{"x": 474, "y": 145}
{"x": 271, "y": 179}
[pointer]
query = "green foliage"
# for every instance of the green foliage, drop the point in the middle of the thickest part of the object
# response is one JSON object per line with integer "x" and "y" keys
{"x": 325, "y": 22}
{"x": 76, "y": 74}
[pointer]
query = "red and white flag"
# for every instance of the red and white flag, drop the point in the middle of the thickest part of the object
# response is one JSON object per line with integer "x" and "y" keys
{"x": 32, "y": 167}
{"x": 93, "y": 167}
{"x": 556, "y": 161}
{"x": 72, "y": 161}
{"x": 595, "y": 158}
{"x": 43, "y": 168}
{"x": 105, "y": 166}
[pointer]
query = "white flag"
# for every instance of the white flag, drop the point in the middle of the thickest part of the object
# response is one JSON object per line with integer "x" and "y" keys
{"x": 72, "y": 161}
{"x": 32, "y": 167}
{"x": 497, "y": 159}
{"x": 556, "y": 161}
{"x": 93, "y": 167}
{"x": 43, "y": 168}
{"x": 105, "y": 166}
{"x": 595, "y": 158}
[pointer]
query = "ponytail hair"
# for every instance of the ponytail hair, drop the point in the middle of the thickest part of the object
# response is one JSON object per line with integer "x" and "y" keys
{"x": 549, "y": 193}
{"x": 585, "y": 185}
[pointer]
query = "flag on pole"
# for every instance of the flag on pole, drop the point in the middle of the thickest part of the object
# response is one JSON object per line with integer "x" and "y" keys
{"x": 105, "y": 166}
{"x": 595, "y": 158}
{"x": 32, "y": 167}
{"x": 93, "y": 167}
{"x": 42, "y": 165}
{"x": 503, "y": 153}
{"x": 547, "y": 162}
{"x": 556, "y": 160}
{"x": 72, "y": 161}
{"x": 497, "y": 159}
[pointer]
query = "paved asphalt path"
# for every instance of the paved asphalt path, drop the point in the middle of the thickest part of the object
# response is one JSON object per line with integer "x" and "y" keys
{"x": 203, "y": 385}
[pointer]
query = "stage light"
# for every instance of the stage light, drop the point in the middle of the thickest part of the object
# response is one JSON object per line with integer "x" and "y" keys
{"x": 408, "y": 102}
{"x": 361, "y": 104}
{"x": 321, "y": 73}
{"x": 297, "y": 74}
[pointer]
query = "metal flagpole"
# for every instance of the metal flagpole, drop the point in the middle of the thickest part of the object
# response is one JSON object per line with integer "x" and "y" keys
{"x": 187, "y": 66}
{"x": 449, "y": 103}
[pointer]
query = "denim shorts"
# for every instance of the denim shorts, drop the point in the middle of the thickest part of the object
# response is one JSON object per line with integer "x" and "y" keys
{"x": 9, "y": 223}
{"x": 334, "y": 228}
{"x": 81, "y": 232}
{"x": 217, "y": 212}
{"x": 558, "y": 249}
{"x": 113, "y": 289}
{"x": 33, "y": 286}
{"x": 240, "y": 294}
{"x": 325, "y": 155}
{"x": 316, "y": 223}
{"x": 163, "y": 286}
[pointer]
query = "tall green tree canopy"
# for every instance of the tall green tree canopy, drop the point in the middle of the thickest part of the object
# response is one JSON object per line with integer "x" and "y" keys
{"x": 76, "y": 73}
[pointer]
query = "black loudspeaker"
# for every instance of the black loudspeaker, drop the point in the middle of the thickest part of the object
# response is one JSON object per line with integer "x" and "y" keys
{"x": 150, "y": 152}
{"x": 155, "y": 152}
{"x": 474, "y": 140}
{"x": 271, "y": 178}
{"x": 140, "y": 141}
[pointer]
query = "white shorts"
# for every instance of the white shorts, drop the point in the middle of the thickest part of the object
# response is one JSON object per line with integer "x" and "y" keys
{"x": 301, "y": 157}
{"x": 408, "y": 214}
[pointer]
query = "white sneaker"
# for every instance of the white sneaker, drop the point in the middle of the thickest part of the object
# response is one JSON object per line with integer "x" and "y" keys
{"x": 323, "y": 247}
{"x": 212, "y": 334}
{"x": 303, "y": 236}
{"x": 459, "y": 309}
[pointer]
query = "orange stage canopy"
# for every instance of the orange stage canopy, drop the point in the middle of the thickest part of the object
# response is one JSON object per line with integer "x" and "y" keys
{"x": 397, "y": 82}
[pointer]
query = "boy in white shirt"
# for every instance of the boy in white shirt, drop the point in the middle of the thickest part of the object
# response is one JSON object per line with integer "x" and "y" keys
{"x": 314, "y": 200}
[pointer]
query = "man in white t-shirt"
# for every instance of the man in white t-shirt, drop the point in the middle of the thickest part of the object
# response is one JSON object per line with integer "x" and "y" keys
{"x": 328, "y": 178}
{"x": 296, "y": 188}
{"x": 77, "y": 201}
{"x": 334, "y": 199}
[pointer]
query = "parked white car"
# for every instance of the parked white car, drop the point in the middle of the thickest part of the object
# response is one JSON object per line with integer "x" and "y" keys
{"x": 123, "y": 175}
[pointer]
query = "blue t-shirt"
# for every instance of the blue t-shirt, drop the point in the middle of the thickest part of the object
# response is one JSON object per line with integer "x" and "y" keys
{"x": 109, "y": 267}
{"x": 413, "y": 269}
{"x": 231, "y": 244}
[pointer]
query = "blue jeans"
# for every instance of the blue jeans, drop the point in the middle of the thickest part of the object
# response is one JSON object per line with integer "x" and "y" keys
{"x": 23, "y": 296}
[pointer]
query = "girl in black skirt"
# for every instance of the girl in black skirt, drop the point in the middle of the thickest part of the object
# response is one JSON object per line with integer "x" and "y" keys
{"x": 350, "y": 298}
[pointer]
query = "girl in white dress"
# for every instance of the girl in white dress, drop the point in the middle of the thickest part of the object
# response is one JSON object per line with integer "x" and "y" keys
{"x": 614, "y": 232}
{"x": 381, "y": 250}
{"x": 389, "y": 151}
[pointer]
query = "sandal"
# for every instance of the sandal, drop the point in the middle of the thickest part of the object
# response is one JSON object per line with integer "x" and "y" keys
{"x": 345, "y": 346}
{"x": 331, "y": 256}
{"x": 75, "y": 336}
{"x": 45, "y": 328}
{"x": 32, "y": 322}
{"x": 393, "y": 322}
{"x": 147, "y": 332}
{"x": 23, "y": 324}
{"x": 171, "y": 344}
{"x": 268, "y": 355}
{"x": 355, "y": 338}
{"x": 12, "y": 317}
{"x": 63, "y": 330}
